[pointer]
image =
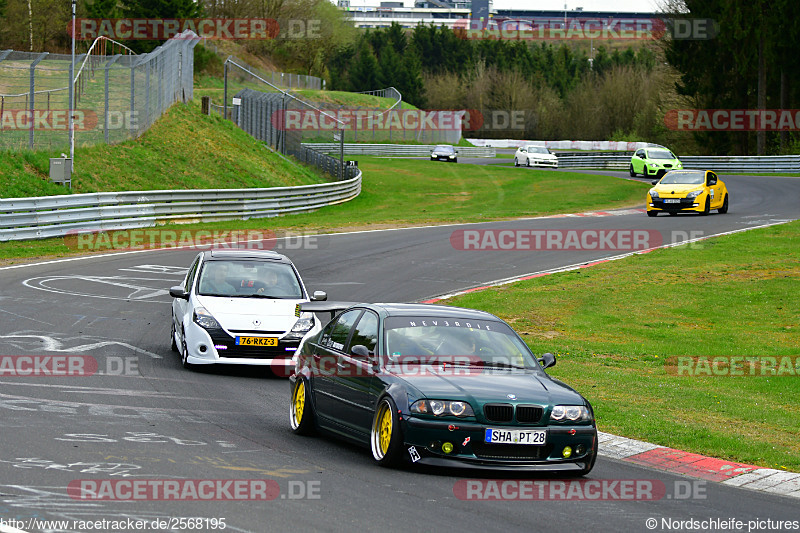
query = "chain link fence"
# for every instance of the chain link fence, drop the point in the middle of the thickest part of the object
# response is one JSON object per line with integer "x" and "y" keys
{"x": 118, "y": 95}
{"x": 262, "y": 112}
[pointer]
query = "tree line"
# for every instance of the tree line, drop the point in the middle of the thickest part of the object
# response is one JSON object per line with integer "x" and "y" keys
{"x": 752, "y": 63}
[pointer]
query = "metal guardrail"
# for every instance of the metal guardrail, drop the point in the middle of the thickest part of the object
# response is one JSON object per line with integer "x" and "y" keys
{"x": 776, "y": 163}
{"x": 408, "y": 150}
{"x": 56, "y": 216}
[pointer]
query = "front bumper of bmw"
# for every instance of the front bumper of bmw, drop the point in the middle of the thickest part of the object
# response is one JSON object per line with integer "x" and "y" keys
{"x": 428, "y": 437}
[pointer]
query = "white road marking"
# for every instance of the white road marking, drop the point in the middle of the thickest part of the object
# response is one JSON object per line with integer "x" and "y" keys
{"x": 52, "y": 344}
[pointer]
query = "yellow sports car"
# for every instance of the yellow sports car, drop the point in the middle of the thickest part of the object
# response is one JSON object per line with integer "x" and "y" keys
{"x": 684, "y": 191}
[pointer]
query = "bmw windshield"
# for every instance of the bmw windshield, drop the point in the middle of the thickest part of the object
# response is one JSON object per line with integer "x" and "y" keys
{"x": 455, "y": 340}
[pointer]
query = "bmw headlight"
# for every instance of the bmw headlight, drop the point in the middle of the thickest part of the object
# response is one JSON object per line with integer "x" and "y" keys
{"x": 442, "y": 408}
{"x": 204, "y": 319}
{"x": 451, "y": 156}
{"x": 570, "y": 413}
{"x": 694, "y": 194}
{"x": 654, "y": 194}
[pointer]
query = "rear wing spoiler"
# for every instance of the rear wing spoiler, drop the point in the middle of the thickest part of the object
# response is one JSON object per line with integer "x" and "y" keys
{"x": 325, "y": 311}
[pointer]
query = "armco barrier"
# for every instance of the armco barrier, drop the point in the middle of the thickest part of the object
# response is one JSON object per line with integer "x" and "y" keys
{"x": 407, "y": 150}
{"x": 56, "y": 216}
{"x": 776, "y": 163}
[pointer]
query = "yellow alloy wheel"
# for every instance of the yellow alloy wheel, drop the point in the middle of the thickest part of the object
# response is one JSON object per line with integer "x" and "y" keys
{"x": 299, "y": 401}
{"x": 385, "y": 430}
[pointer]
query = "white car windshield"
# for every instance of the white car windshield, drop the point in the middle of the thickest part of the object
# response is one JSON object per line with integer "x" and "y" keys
{"x": 443, "y": 148}
{"x": 454, "y": 340}
{"x": 248, "y": 279}
{"x": 537, "y": 150}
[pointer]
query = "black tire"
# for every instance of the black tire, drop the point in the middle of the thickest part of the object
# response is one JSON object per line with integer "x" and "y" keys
{"x": 528, "y": 163}
{"x": 185, "y": 352}
{"x": 173, "y": 345}
{"x": 707, "y": 208}
{"x": 516, "y": 162}
{"x": 455, "y": 160}
{"x": 301, "y": 410}
{"x": 652, "y": 213}
{"x": 724, "y": 209}
{"x": 386, "y": 435}
{"x": 631, "y": 172}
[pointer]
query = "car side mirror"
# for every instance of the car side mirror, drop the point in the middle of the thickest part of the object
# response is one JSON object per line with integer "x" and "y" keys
{"x": 547, "y": 360}
{"x": 178, "y": 292}
{"x": 319, "y": 296}
{"x": 359, "y": 350}
{"x": 456, "y": 151}
{"x": 654, "y": 182}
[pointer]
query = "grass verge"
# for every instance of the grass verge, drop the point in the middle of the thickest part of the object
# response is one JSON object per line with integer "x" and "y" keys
{"x": 615, "y": 327}
{"x": 402, "y": 192}
{"x": 183, "y": 150}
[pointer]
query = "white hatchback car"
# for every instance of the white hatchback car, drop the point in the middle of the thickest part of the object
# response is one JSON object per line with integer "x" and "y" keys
{"x": 240, "y": 307}
{"x": 535, "y": 156}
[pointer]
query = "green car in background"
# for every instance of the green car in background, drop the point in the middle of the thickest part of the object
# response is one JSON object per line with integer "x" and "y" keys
{"x": 653, "y": 161}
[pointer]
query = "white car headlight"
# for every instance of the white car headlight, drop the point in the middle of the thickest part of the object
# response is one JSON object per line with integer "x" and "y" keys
{"x": 304, "y": 323}
{"x": 204, "y": 319}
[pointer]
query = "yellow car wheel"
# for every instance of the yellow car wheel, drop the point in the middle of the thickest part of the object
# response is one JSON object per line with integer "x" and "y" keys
{"x": 301, "y": 411}
{"x": 386, "y": 438}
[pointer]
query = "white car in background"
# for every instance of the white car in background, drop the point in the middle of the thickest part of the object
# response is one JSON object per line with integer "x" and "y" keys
{"x": 535, "y": 156}
{"x": 240, "y": 307}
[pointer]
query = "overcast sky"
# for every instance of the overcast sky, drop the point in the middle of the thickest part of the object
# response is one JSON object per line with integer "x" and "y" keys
{"x": 638, "y": 6}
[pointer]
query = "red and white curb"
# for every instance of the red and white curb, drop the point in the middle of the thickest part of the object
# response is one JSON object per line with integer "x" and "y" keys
{"x": 654, "y": 455}
{"x": 699, "y": 466}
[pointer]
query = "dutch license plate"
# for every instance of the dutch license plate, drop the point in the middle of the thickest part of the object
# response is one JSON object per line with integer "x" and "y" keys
{"x": 672, "y": 201}
{"x": 516, "y": 436}
{"x": 256, "y": 341}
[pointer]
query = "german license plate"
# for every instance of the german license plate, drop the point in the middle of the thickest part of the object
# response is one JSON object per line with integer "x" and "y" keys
{"x": 256, "y": 341}
{"x": 672, "y": 201}
{"x": 516, "y": 436}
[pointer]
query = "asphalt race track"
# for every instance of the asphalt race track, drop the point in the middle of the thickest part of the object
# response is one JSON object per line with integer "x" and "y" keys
{"x": 142, "y": 416}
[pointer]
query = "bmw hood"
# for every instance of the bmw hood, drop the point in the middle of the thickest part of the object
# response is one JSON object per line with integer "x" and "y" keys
{"x": 252, "y": 314}
{"x": 481, "y": 385}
